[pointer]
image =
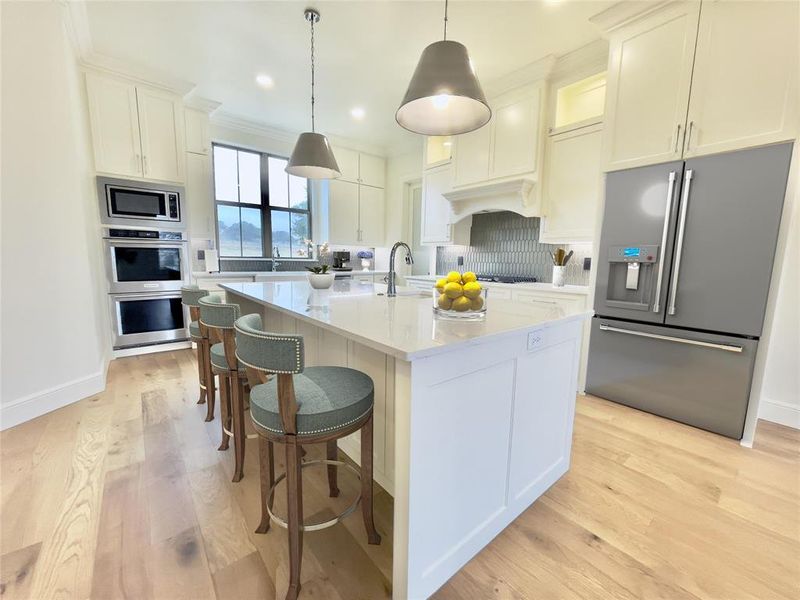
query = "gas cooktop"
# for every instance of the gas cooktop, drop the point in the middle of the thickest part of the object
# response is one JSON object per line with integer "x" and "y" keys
{"x": 506, "y": 279}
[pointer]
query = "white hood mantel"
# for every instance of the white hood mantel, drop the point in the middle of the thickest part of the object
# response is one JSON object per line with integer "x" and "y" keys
{"x": 516, "y": 195}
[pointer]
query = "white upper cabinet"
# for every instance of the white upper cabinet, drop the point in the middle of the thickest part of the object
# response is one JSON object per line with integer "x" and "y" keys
{"x": 198, "y": 135}
{"x": 372, "y": 170}
{"x": 509, "y": 146}
{"x": 161, "y": 127}
{"x": 371, "y": 211}
{"x": 348, "y": 164}
{"x": 437, "y": 227}
{"x": 471, "y": 164}
{"x": 343, "y": 225}
{"x": 744, "y": 87}
{"x": 137, "y": 131}
{"x": 515, "y": 131}
{"x": 649, "y": 77}
{"x": 572, "y": 185}
{"x": 115, "y": 126}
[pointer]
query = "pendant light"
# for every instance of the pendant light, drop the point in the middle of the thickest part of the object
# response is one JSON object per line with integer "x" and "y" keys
{"x": 444, "y": 96}
{"x": 312, "y": 156}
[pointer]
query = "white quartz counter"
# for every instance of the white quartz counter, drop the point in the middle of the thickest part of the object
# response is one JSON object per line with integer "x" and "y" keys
{"x": 277, "y": 274}
{"x": 540, "y": 286}
{"x": 405, "y": 326}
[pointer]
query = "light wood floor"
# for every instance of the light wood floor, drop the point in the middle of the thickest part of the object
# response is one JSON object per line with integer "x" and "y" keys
{"x": 124, "y": 495}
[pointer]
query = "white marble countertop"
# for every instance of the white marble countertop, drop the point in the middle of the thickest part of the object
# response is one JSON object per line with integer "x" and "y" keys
{"x": 269, "y": 274}
{"x": 405, "y": 326}
{"x": 540, "y": 286}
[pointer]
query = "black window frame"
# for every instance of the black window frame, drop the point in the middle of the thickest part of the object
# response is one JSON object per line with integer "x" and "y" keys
{"x": 265, "y": 207}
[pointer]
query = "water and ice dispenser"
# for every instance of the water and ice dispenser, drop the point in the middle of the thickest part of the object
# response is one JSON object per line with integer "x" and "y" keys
{"x": 632, "y": 272}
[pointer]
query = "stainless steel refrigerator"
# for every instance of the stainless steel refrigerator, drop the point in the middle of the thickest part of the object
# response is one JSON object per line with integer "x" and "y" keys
{"x": 686, "y": 254}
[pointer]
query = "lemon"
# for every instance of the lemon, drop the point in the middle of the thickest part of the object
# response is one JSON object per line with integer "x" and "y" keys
{"x": 469, "y": 276}
{"x": 462, "y": 304}
{"x": 444, "y": 302}
{"x": 454, "y": 277}
{"x": 477, "y": 303}
{"x": 440, "y": 284}
{"x": 453, "y": 290}
{"x": 472, "y": 289}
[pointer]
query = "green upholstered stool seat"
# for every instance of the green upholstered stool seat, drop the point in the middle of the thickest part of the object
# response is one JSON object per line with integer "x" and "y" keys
{"x": 328, "y": 398}
{"x": 194, "y": 329}
{"x": 218, "y": 357}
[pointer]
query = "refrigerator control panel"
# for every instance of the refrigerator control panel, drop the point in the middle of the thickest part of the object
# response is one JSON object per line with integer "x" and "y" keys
{"x": 631, "y": 254}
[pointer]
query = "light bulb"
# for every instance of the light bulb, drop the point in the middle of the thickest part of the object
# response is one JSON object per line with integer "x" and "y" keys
{"x": 441, "y": 101}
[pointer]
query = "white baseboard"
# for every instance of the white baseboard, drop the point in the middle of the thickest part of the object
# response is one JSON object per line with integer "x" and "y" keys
{"x": 779, "y": 412}
{"x": 35, "y": 405}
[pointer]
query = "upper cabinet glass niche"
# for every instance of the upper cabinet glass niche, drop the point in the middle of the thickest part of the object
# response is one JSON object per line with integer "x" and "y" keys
{"x": 438, "y": 150}
{"x": 579, "y": 103}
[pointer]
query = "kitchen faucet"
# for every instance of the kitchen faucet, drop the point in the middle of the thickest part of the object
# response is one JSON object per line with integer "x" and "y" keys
{"x": 391, "y": 288}
{"x": 276, "y": 253}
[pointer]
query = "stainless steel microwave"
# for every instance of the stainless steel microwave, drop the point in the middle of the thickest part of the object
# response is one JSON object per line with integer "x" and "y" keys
{"x": 140, "y": 204}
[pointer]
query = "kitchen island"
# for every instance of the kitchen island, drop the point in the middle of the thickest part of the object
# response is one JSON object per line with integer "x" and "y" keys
{"x": 472, "y": 419}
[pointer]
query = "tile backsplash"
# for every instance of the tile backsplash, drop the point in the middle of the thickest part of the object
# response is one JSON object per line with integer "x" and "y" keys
{"x": 505, "y": 243}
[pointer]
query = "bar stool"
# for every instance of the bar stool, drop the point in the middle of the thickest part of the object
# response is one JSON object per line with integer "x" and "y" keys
{"x": 219, "y": 317}
{"x": 303, "y": 406}
{"x": 190, "y": 296}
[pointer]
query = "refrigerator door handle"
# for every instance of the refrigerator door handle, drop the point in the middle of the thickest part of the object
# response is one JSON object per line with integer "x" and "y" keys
{"x": 669, "y": 338}
{"x": 662, "y": 250}
{"x": 673, "y": 292}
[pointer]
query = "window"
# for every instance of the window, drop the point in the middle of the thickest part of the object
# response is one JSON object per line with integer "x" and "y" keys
{"x": 262, "y": 211}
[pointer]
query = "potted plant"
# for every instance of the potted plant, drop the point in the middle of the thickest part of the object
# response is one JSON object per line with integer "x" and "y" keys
{"x": 319, "y": 278}
{"x": 366, "y": 257}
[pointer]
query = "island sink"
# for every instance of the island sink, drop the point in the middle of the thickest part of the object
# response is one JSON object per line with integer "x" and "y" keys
{"x": 472, "y": 421}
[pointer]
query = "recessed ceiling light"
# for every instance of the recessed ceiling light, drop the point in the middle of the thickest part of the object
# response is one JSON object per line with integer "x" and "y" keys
{"x": 358, "y": 113}
{"x": 264, "y": 81}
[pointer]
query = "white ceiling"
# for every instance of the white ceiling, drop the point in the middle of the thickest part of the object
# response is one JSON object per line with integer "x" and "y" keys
{"x": 366, "y": 51}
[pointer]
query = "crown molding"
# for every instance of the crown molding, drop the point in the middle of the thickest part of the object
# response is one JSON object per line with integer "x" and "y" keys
{"x": 137, "y": 74}
{"x": 206, "y": 105}
{"x": 76, "y": 22}
{"x": 222, "y": 118}
{"x": 593, "y": 57}
{"x": 624, "y": 13}
{"x": 530, "y": 73}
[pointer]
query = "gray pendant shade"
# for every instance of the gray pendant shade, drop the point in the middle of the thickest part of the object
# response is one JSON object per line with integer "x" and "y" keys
{"x": 444, "y": 96}
{"x": 313, "y": 158}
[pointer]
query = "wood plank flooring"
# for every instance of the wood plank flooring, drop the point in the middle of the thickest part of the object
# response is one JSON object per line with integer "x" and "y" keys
{"x": 124, "y": 495}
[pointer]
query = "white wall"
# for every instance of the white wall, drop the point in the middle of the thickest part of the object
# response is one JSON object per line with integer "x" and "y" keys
{"x": 55, "y": 335}
{"x": 780, "y": 390}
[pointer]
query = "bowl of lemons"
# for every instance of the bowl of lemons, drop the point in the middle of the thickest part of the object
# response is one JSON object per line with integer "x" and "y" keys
{"x": 459, "y": 296}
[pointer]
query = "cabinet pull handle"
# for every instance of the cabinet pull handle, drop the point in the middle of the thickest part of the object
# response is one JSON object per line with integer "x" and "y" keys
{"x": 138, "y": 160}
{"x": 669, "y": 338}
{"x": 689, "y": 135}
{"x": 145, "y": 165}
{"x": 662, "y": 250}
{"x": 677, "y": 139}
{"x": 676, "y": 268}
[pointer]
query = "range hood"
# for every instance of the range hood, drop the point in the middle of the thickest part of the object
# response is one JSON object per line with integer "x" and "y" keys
{"x": 517, "y": 195}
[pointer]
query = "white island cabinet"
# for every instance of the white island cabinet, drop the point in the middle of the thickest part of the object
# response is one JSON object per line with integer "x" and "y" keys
{"x": 473, "y": 420}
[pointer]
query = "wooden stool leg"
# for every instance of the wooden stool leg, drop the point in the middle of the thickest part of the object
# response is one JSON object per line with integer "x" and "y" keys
{"x": 211, "y": 389}
{"x": 366, "y": 482}
{"x": 332, "y": 454}
{"x": 201, "y": 372}
{"x": 224, "y": 410}
{"x": 239, "y": 436}
{"x": 294, "y": 492}
{"x": 266, "y": 462}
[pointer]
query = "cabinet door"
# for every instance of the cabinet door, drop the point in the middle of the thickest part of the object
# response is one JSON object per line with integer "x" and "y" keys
{"x": 372, "y": 170}
{"x": 342, "y": 212}
{"x": 348, "y": 164}
{"x": 472, "y": 156}
{"x": 744, "y": 87}
{"x": 161, "y": 123}
{"x": 198, "y": 136}
{"x": 515, "y": 133}
{"x": 371, "y": 210}
{"x": 572, "y": 178}
{"x": 199, "y": 201}
{"x": 435, "y": 207}
{"x": 115, "y": 126}
{"x": 649, "y": 74}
